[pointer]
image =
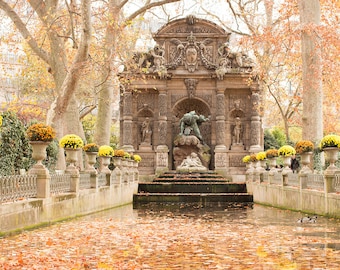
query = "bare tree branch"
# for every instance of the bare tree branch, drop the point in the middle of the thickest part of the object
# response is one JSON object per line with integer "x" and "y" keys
{"x": 25, "y": 32}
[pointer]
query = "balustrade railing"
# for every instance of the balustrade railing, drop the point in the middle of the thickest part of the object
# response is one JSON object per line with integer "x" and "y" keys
{"x": 102, "y": 179}
{"x": 17, "y": 187}
{"x": 293, "y": 179}
{"x": 336, "y": 183}
{"x": 85, "y": 181}
{"x": 277, "y": 178}
{"x": 315, "y": 181}
{"x": 60, "y": 183}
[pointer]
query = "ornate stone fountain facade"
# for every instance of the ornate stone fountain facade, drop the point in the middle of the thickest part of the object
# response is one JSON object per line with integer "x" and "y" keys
{"x": 191, "y": 69}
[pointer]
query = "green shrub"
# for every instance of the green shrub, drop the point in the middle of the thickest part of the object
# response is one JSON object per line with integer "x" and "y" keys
{"x": 14, "y": 145}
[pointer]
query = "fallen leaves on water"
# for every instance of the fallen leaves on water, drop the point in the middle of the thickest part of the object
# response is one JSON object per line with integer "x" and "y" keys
{"x": 172, "y": 241}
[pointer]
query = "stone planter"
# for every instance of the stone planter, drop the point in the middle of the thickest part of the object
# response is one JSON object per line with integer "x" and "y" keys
{"x": 331, "y": 155}
{"x": 117, "y": 161}
{"x": 104, "y": 163}
{"x": 286, "y": 165}
{"x": 39, "y": 152}
{"x": 71, "y": 159}
{"x": 91, "y": 160}
{"x": 305, "y": 161}
{"x": 272, "y": 164}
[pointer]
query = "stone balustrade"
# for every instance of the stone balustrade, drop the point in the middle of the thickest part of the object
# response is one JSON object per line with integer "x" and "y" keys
{"x": 306, "y": 192}
{"x": 32, "y": 199}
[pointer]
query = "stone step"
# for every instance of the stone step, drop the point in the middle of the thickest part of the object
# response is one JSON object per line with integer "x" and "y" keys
{"x": 190, "y": 177}
{"x": 222, "y": 180}
{"x": 185, "y": 187}
{"x": 198, "y": 198}
{"x": 202, "y": 189}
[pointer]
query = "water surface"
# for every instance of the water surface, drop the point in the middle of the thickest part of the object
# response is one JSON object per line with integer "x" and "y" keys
{"x": 181, "y": 238}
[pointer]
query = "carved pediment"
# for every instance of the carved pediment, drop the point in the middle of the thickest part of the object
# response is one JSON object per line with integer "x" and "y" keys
{"x": 191, "y": 24}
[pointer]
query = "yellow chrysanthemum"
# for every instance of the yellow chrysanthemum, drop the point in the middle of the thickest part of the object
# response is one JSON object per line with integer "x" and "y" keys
{"x": 331, "y": 140}
{"x": 286, "y": 151}
{"x": 71, "y": 141}
{"x": 105, "y": 151}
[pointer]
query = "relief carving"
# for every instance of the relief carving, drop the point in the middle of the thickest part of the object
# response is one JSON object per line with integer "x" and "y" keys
{"x": 191, "y": 86}
{"x": 162, "y": 103}
{"x": 162, "y": 132}
{"x": 146, "y": 101}
{"x": 236, "y": 161}
{"x": 220, "y": 132}
{"x": 220, "y": 160}
{"x": 190, "y": 53}
{"x": 220, "y": 106}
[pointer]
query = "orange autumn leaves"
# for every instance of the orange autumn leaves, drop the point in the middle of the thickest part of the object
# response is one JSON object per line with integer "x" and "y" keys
{"x": 230, "y": 239}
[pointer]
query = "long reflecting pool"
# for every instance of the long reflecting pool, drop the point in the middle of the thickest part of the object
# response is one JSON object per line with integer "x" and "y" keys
{"x": 182, "y": 238}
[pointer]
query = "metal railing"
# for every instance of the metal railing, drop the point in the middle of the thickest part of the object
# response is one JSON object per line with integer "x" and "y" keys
{"x": 85, "y": 181}
{"x": 17, "y": 187}
{"x": 60, "y": 183}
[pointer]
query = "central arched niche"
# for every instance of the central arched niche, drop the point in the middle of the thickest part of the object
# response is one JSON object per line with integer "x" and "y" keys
{"x": 200, "y": 107}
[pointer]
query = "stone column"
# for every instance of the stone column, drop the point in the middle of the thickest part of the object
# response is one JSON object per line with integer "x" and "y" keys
{"x": 127, "y": 123}
{"x": 255, "y": 124}
{"x": 221, "y": 161}
{"x": 162, "y": 150}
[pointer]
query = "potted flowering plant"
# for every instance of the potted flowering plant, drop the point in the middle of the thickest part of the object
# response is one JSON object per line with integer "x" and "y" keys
{"x": 246, "y": 159}
{"x": 40, "y": 132}
{"x": 40, "y": 135}
{"x": 91, "y": 150}
{"x": 253, "y": 157}
{"x": 261, "y": 156}
{"x": 304, "y": 146}
{"x": 272, "y": 153}
{"x": 286, "y": 151}
{"x": 91, "y": 147}
{"x": 137, "y": 158}
{"x": 331, "y": 140}
{"x": 331, "y": 144}
{"x": 105, "y": 151}
{"x": 119, "y": 153}
{"x": 71, "y": 141}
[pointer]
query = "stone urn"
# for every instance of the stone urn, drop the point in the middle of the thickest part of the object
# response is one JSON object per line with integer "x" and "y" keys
{"x": 39, "y": 152}
{"x": 117, "y": 162}
{"x": 104, "y": 163}
{"x": 331, "y": 155}
{"x": 305, "y": 161}
{"x": 71, "y": 159}
{"x": 272, "y": 164}
{"x": 286, "y": 164}
{"x": 91, "y": 160}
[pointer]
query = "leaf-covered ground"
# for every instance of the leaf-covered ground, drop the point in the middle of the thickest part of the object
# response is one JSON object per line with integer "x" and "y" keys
{"x": 259, "y": 238}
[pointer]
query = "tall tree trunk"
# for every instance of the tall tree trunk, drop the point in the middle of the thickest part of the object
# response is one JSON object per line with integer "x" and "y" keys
{"x": 312, "y": 121}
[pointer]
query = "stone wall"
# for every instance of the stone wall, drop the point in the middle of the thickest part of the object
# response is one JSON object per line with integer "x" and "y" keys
{"x": 33, "y": 212}
{"x": 295, "y": 197}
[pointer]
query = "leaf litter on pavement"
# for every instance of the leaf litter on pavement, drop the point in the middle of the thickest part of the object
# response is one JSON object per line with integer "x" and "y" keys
{"x": 196, "y": 239}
